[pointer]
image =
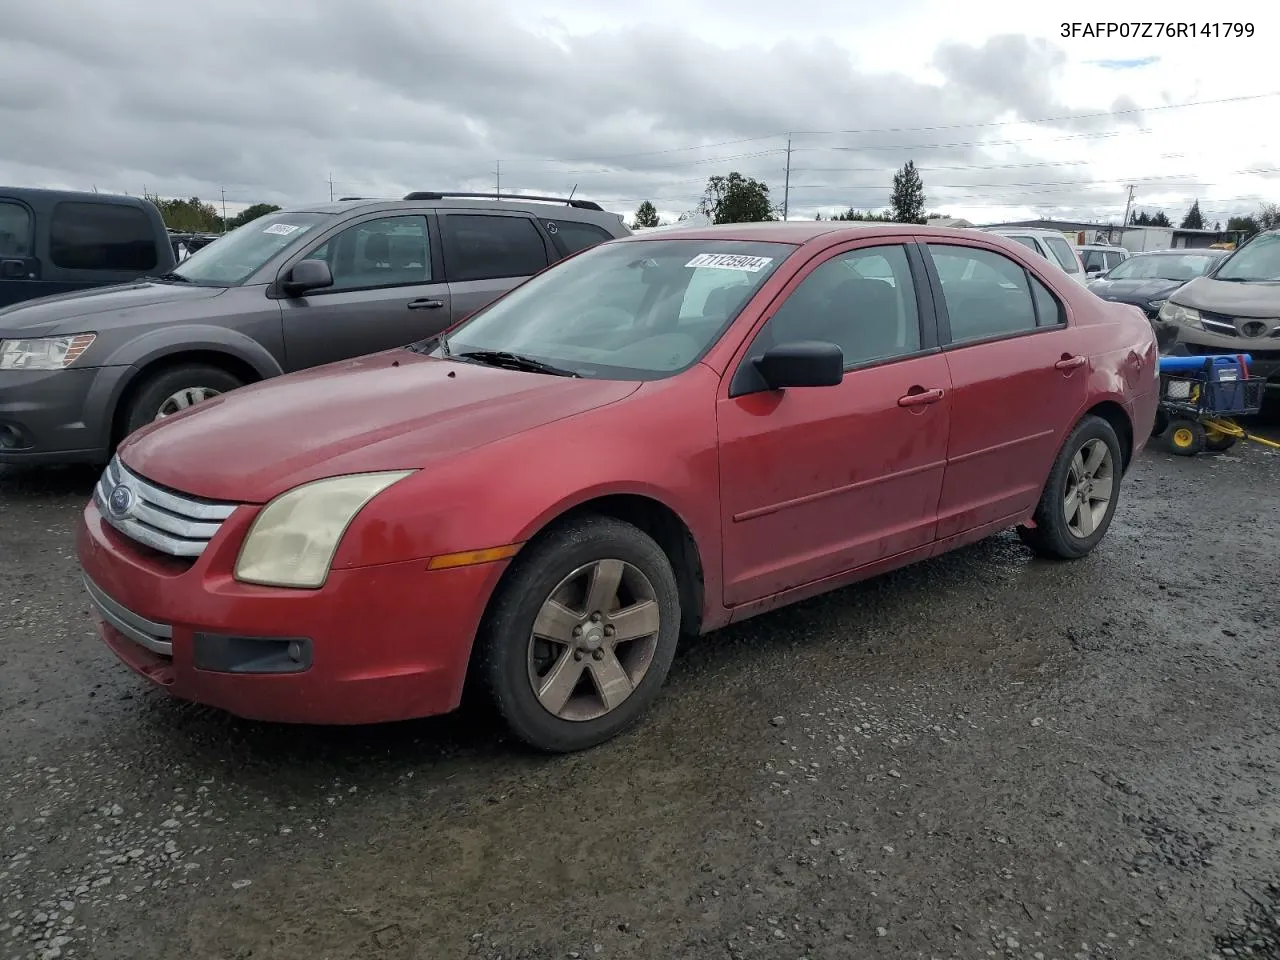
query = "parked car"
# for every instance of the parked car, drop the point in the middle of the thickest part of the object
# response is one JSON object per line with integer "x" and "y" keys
{"x": 60, "y": 241}
{"x": 290, "y": 290}
{"x": 1146, "y": 279}
{"x": 1050, "y": 244}
{"x": 1098, "y": 258}
{"x": 659, "y": 436}
{"x": 1235, "y": 308}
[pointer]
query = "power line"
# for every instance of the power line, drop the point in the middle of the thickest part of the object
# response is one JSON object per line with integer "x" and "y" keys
{"x": 927, "y": 129}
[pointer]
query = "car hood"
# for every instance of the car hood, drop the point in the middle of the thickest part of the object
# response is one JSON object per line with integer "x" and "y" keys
{"x": 1232, "y": 299}
{"x": 394, "y": 410}
{"x": 1134, "y": 291}
{"x": 66, "y": 312}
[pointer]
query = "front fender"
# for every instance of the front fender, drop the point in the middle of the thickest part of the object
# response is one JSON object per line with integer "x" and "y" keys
{"x": 154, "y": 345}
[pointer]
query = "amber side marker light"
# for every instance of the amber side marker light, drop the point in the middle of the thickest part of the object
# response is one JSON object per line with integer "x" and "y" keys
{"x": 469, "y": 558}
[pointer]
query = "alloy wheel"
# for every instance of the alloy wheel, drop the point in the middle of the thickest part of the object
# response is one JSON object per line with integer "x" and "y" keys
{"x": 1090, "y": 486}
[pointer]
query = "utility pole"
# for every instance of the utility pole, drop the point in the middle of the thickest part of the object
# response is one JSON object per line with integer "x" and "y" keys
{"x": 786, "y": 183}
{"x": 224, "y": 209}
{"x": 1128, "y": 204}
{"x": 497, "y": 172}
{"x": 331, "y": 186}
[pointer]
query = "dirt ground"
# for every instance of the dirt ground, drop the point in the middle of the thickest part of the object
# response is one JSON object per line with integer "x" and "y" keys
{"x": 981, "y": 756}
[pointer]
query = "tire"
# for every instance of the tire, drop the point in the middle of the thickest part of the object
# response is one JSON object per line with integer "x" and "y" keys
{"x": 1186, "y": 437}
{"x": 1219, "y": 444}
{"x": 157, "y": 389}
{"x": 511, "y": 660}
{"x": 1061, "y": 536}
{"x": 1161, "y": 424}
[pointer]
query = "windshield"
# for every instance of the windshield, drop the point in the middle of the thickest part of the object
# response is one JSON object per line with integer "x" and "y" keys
{"x": 1163, "y": 267}
{"x": 232, "y": 259}
{"x": 1256, "y": 262}
{"x": 638, "y": 310}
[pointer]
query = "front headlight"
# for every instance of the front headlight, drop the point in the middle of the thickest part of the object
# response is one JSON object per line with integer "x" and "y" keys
{"x": 292, "y": 541}
{"x": 1176, "y": 313}
{"x": 44, "y": 353}
{"x": 1156, "y": 304}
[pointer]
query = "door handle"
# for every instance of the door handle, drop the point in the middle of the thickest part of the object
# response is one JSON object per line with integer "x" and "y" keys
{"x": 426, "y": 303}
{"x": 1070, "y": 363}
{"x": 920, "y": 398}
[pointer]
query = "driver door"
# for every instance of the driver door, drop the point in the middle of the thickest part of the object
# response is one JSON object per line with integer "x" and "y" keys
{"x": 819, "y": 481}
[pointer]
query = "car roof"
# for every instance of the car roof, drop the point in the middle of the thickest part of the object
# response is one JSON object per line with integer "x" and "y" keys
{"x": 49, "y": 194}
{"x": 802, "y": 231}
{"x": 561, "y": 209}
{"x": 1181, "y": 252}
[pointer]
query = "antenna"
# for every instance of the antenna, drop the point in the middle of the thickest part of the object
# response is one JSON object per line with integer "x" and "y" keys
{"x": 224, "y": 209}
{"x": 573, "y": 191}
{"x": 497, "y": 172}
{"x": 331, "y": 186}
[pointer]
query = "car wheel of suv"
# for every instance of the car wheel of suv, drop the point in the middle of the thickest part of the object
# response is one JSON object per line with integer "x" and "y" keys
{"x": 580, "y": 636}
{"x": 172, "y": 391}
{"x": 1081, "y": 494}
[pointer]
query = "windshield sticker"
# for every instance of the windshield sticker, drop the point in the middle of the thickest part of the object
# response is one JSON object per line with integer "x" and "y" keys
{"x": 282, "y": 229}
{"x": 730, "y": 261}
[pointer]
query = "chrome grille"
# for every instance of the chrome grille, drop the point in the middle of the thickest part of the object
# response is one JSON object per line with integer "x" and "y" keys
{"x": 1248, "y": 327}
{"x": 169, "y": 522}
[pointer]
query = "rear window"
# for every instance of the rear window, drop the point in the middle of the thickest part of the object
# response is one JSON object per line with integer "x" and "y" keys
{"x": 489, "y": 247}
{"x": 1064, "y": 254}
{"x": 101, "y": 236}
{"x": 577, "y": 236}
{"x": 15, "y": 230}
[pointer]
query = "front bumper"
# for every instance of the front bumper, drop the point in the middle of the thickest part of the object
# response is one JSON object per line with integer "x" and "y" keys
{"x": 375, "y": 644}
{"x": 1175, "y": 338}
{"x": 57, "y": 416}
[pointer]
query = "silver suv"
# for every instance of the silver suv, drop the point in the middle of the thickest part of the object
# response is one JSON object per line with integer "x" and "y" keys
{"x": 290, "y": 290}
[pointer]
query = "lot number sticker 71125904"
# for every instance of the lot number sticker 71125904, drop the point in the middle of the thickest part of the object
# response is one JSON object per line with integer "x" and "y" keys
{"x": 730, "y": 261}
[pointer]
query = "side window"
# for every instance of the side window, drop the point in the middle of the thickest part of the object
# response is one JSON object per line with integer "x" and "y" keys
{"x": 862, "y": 300}
{"x": 15, "y": 230}
{"x": 1113, "y": 259}
{"x": 576, "y": 236}
{"x": 1049, "y": 310}
{"x": 1093, "y": 260}
{"x": 389, "y": 252}
{"x": 1030, "y": 243}
{"x": 1066, "y": 258}
{"x": 988, "y": 295}
{"x": 101, "y": 236}
{"x": 482, "y": 247}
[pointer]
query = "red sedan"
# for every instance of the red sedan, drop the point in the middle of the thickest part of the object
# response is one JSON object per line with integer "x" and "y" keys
{"x": 652, "y": 439}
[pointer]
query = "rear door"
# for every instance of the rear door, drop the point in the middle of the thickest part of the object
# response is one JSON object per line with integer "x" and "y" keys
{"x": 486, "y": 253}
{"x": 19, "y": 265}
{"x": 1018, "y": 378}
{"x": 386, "y": 292}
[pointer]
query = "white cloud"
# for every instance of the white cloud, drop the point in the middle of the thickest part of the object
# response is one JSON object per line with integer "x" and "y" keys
{"x": 265, "y": 101}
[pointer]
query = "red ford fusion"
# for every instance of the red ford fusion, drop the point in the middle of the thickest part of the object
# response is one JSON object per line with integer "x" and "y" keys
{"x": 657, "y": 437}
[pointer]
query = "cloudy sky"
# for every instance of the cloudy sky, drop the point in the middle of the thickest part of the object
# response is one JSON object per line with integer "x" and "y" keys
{"x": 269, "y": 99}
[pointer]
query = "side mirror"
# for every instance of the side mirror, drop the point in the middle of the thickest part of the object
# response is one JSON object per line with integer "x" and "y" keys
{"x": 803, "y": 363}
{"x": 307, "y": 276}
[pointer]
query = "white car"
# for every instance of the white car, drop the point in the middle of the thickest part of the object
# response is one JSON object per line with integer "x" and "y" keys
{"x": 1050, "y": 244}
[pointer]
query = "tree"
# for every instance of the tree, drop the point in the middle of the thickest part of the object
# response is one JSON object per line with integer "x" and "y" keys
{"x": 907, "y": 200}
{"x": 1139, "y": 218}
{"x": 1158, "y": 219}
{"x": 1269, "y": 216}
{"x": 1246, "y": 225}
{"x": 852, "y": 214}
{"x": 249, "y": 214}
{"x": 646, "y": 216}
{"x": 1194, "y": 220}
{"x": 737, "y": 199}
{"x": 189, "y": 216}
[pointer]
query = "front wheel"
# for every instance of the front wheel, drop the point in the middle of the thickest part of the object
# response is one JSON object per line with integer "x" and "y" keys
{"x": 174, "y": 390}
{"x": 1081, "y": 494}
{"x": 581, "y": 635}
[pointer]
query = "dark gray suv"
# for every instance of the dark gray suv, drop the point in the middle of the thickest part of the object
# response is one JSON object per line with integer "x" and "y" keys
{"x": 291, "y": 290}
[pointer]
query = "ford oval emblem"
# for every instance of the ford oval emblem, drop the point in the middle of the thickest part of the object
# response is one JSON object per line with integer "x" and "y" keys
{"x": 120, "y": 501}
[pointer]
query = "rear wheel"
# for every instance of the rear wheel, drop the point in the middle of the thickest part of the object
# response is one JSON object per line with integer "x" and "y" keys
{"x": 1186, "y": 437}
{"x": 1081, "y": 494}
{"x": 1217, "y": 441}
{"x": 173, "y": 390}
{"x": 580, "y": 637}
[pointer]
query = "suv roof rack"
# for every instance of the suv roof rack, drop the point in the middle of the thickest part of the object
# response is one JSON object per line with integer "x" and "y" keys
{"x": 442, "y": 194}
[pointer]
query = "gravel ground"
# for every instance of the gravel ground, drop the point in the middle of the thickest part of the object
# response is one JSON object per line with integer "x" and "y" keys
{"x": 982, "y": 756}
